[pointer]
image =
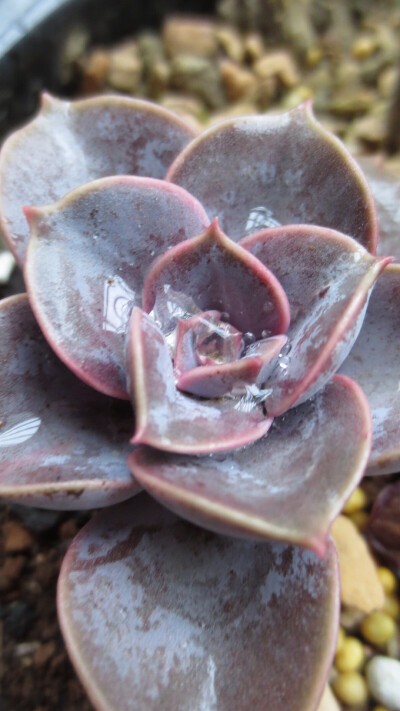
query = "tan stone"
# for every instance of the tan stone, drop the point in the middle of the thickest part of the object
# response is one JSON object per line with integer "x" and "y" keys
{"x": 195, "y": 36}
{"x": 360, "y": 584}
{"x": 280, "y": 65}
{"x": 238, "y": 82}
{"x": 230, "y": 40}
{"x": 16, "y": 538}
{"x": 351, "y": 102}
{"x": 387, "y": 81}
{"x": 253, "y": 46}
{"x": 328, "y": 701}
{"x": 364, "y": 46}
{"x": 125, "y": 70}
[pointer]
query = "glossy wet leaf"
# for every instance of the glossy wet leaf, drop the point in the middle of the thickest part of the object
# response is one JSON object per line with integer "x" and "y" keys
{"x": 385, "y": 188}
{"x": 87, "y": 260}
{"x": 374, "y": 363}
{"x": 289, "y": 485}
{"x": 176, "y": 618}
{"x": 327, "y": 278}
{"x": 262, "y": 171}
{"x": 219, "y": 379}
{"x": 218, "y": 274}
{"x": 171, "y": 420}
{"x": 62, "y": 444}
{"x": 69, "y": 144}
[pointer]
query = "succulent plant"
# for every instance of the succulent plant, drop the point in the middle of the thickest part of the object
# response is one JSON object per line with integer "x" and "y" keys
{"x": 199, "y": 295}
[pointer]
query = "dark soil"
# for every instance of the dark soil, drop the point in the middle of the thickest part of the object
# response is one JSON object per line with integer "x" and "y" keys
{"x": 35, "y": 672}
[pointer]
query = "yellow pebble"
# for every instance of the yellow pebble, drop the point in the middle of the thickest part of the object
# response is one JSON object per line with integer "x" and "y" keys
{"x": 359, "y": 518}
{"x": 351, "y": 655}
{"x": 392, "y": 606}
{"x": 357, "y": 501}
{"x": 350, "y": 688}
{"x": 388, "y": 579}
{"x": 340, "y": 639}
{"x": 378, "y": 627}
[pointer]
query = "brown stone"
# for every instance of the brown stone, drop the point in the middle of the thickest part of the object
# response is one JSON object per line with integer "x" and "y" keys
{"x": 11, "y": 570}
{"x": 44, "y": 653}
{"x": 16, "y": 538}
{"x": 195, "y": 36}
{"x": 68, "y": 529}
{"x": 95, "y": 71}
{"x": 238, "y": 81}
{"x": 360, "y": 584}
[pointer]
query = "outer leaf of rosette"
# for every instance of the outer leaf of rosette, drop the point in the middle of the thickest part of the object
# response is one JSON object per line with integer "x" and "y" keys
{"x": 171, "y": 420}
{"x": 62, "y": 444}
{"x": 289, "y": 485}
{"x": 374, "y": 363}
{"x": 385, "y": 188}
{"x": 86, "y": 263}
{"x": 156, "y": 610}
{"x": 262, "y": 171}
{"x": 71, "y": 143}
{"x": 327, "y": 278}
{"x": 220, "y": 275}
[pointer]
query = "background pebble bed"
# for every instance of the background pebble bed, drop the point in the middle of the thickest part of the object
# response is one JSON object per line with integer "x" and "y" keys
{"x": 256, "y": 56}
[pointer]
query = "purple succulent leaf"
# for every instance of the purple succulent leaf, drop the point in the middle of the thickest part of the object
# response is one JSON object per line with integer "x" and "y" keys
{"x": 69, "y": 144}
{"x": 62, "y": 444}
{"x": 171, "y": 420}
{"x": 86, "y": 262}
{"x": 385, "y": 188}
{"x": 176, "y": 618}
{"x": 218, "y": 380}
{"x": 262, "y": 171}
{"x": 383, "y": 530}
{"x": 289, "y": 485}
{"x": 327, "y": 278}
{"x": 220, "y": 275}
{"x": 374, "y": 363}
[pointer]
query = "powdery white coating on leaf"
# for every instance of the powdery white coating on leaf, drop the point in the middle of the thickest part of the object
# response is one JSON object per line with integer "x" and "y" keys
{"x": 72, "y": 454}
{"x": 327, "y": 278}
{"x": 179, "y": 618}
{"x": 385, "y": 188}
{"x": 287, "y": 165}
{"x": 289, "y": 485}
{"x": 69, "y": 144}
{"x": 169, "y": 419}
{"x": 374, "y": 363}
{"x": 93, "y": 249}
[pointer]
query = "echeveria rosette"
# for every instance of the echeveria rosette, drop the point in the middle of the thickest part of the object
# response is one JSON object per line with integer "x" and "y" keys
{"x": 153, "y": 608}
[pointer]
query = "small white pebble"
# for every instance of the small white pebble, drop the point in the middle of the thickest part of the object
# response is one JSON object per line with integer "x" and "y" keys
{"x": 7, "y": 264}
{"x": 383, "y": 675}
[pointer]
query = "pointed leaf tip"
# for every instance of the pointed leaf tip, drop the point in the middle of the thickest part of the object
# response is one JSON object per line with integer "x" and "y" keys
{"x": 263, "y": 171}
